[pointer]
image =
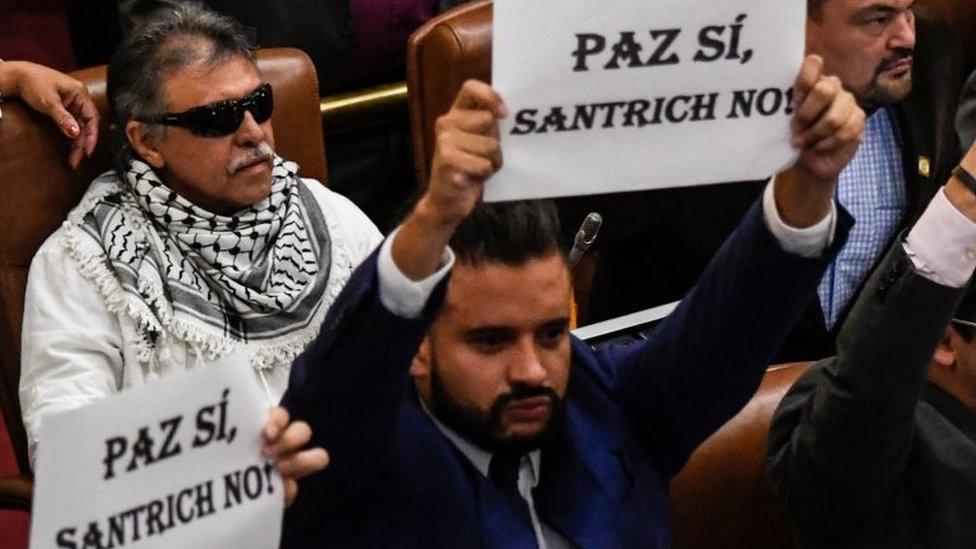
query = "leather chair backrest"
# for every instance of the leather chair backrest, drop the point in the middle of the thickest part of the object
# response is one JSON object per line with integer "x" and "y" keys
{"x": 961, "y": 14}
{"x": 441, "y": 55}
{"x": 38, "y": 189}
{"x": 722, "y": 499}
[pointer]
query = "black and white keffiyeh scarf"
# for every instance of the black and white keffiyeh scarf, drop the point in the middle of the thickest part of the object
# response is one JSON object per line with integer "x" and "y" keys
{"x": 254, "y": 278}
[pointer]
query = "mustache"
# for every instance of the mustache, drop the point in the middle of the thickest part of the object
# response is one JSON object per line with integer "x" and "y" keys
{"x": 520, "y": 392}
{"x": 899, "y": 54}
{"x": 261, "y": 152}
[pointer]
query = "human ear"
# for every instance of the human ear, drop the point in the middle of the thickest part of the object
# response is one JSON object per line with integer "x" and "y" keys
{"x": 144, "y": 143}
{"x": 944, "y": 354}
{"x": 420, "y": 366}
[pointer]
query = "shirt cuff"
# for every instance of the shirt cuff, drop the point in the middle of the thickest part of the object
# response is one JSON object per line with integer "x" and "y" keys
{"x": 807, "y": 242}
{"x": 398, "y": 293}
{"x": 942, "y": 245}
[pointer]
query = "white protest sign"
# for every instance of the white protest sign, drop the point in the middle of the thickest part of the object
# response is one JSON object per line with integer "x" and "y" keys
{"x": 176, "y": 463}
{"x": 641, "y": 94}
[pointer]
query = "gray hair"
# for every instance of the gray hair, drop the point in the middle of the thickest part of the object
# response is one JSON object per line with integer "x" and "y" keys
{"x": 173, "y": 37}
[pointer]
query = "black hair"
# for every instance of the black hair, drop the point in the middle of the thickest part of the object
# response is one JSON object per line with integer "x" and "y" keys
{"x": 511, "y": 233}
{"x": 174, "y": 36}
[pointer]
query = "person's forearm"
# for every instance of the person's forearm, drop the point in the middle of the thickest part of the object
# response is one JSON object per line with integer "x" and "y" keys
{"x": 802, "y": 200}
{"x": 864, "y": 407}
{"x": 886, "y": 343}
{"x": 942, "y": 241}
{"x": 400, "y": 294}
{"x": 809, "y": 241}
{"x": 419, "y": 245}
{"x": 860, "y": 415}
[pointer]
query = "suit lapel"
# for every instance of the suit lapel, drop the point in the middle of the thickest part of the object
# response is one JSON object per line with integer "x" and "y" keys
{"x": 919, "y": 155}
{"x": 505, "y": 521}
{"x": 580, "y": 484}
{"x": 505, "y": 518}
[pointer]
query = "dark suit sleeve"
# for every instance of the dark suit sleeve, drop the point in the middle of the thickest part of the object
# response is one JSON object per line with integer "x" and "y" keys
{"x": 348, "y": 387}
{"x": 966, "y": 120}
{"x": 707, "y": 359}
{"x": 841, "y": 438}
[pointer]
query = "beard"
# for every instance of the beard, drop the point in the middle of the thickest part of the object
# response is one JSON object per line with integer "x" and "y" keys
{"x": 878, "y": 95}
{"x": 486, "y": 430}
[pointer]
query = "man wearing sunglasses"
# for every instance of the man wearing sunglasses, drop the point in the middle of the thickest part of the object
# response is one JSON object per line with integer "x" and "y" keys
{"x": 200, "y": 244}
{"x": 876, "y": 447}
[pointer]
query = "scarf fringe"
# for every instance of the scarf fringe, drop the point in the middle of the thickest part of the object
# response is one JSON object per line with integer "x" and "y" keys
{"x": 95, "y": 266}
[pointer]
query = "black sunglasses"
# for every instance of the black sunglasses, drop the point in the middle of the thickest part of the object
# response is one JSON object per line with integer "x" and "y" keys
{"x": 223, "y": 117}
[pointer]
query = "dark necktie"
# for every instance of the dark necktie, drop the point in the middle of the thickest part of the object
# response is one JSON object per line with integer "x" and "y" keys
{"x": 504, "y": 470}
{"x": 508, "y": 522}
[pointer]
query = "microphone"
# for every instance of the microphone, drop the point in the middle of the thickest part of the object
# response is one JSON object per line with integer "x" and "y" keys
{"x": 585, "y": 237}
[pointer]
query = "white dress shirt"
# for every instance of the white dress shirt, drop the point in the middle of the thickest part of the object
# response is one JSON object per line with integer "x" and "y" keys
{"x": 942, "y": 244}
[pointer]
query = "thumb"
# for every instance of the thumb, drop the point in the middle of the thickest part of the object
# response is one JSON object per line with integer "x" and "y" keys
{"x": 810, "y": 73}
{"x": 291, "y": 491}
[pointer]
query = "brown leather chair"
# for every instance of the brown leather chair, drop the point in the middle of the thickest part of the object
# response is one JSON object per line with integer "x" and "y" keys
{"x": 961, "y": 14}
{"x": 37, "y": 189}
{"x": 722, "y": 499}
{"x": 441, "y": 55}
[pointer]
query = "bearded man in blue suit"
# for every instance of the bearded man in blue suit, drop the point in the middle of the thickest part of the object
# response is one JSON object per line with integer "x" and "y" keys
{"x": 466, "y": 415}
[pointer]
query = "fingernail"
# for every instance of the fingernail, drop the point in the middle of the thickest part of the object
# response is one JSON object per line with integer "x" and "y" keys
{"x": 73, "y": 130}
{"x": 502, "y": 111}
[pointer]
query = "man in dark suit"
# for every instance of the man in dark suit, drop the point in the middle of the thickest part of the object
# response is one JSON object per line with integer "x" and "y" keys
{"x": 908, "y": 87}
{"x": 876, "y": 447}
{"x": 469, "y": 417}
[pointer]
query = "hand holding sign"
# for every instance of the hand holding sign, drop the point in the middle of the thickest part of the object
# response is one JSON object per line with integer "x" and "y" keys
{"x": 828, "y": 123}
{"x": 827, "y": 128}
{"x": 467, "y": 153}
{"x": 626, "y": 98}
{"x": 176, "y": 463}
{"x": 283, "y": 443}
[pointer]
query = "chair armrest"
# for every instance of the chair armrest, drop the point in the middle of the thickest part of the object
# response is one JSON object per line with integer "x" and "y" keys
{"x": 16, "y": 493}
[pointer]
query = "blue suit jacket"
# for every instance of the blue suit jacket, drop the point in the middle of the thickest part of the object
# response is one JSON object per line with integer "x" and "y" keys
{"x": 633, "y": 415}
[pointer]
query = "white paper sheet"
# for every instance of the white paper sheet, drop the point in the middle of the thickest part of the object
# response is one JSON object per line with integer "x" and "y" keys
{"x": 203, "y": 482}
{"x": 535, "y": 49}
